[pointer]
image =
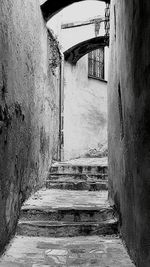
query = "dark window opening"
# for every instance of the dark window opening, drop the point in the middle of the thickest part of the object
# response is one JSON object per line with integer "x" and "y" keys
{"x": 96, "y": 64}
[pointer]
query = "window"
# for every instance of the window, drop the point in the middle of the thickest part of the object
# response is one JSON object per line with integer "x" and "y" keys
{"x": 96, "y": 64}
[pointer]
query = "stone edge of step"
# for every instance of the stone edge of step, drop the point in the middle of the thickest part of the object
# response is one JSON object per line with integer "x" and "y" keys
{"x": 100, "y": 208}
{"x": 61, "y": 224}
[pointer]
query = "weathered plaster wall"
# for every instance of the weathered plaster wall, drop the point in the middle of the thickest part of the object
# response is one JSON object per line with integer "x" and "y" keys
{"x": 28, "y": 106}
{"x": 85, "y": 110}
{"x": 129, "y": 123}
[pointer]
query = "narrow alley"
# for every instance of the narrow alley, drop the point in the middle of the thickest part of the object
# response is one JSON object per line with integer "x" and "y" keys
{"x": 74, "y": 133}
{"x": 70, "y": 222}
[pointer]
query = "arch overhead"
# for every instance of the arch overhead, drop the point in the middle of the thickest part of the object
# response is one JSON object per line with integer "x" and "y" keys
{"x": 49, "y": 7}
{"x": 73, "y": 54}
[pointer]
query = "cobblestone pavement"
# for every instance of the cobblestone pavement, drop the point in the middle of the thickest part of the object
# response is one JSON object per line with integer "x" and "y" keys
{"x": 66, "y": 252}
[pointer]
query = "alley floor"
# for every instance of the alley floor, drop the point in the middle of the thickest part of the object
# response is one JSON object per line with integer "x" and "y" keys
{"x": 86, "y": 251}
{"x": 69, "y": 228}
{"x": 61, "y": 252}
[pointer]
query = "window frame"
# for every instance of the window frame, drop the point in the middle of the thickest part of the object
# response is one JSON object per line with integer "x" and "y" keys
{"x": 94, "y": 71}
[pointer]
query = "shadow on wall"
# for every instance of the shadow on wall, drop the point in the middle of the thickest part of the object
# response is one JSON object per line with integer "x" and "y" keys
{"x": 95, "y": 118}
{"x": 96, "y": 123}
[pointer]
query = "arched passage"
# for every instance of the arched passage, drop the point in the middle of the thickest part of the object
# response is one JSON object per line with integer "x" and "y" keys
{"x": 50, "y": 8}
{"x": 74, "y": 53}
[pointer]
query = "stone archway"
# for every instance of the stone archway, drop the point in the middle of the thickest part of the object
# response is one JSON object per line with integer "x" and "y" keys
{"x": 73, "y": 54}
{"x": 50, "y": 8}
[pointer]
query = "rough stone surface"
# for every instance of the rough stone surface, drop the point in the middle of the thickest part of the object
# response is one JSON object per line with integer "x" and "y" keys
{"x": 129, "y": 123}
{"x": 79, "y": 174}
{"x": 84, "y": 162}
{"x": 82, "y": 214}
{"x": 58, "y": 199}
{"x": 62, "y": 252}
{"x": 59, "y": 213}
{"x": 28, "y": 106}
{"x": 71, "y": 184}
{"x": 67, "y": 229}
{"x": 88, "y": 166}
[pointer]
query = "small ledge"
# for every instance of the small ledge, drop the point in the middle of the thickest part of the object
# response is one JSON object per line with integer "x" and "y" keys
{"x": 96, "y": 78}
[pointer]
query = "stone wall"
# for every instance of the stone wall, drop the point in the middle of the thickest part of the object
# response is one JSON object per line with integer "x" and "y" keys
{"x": 29, "y": 106}
{"x": 129, "y": 123}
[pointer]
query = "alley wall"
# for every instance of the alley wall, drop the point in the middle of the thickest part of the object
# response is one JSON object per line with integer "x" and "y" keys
{"x": 129, "y": 124}
{"x": 85, "y": 111}
{"x": 29, "y": 106}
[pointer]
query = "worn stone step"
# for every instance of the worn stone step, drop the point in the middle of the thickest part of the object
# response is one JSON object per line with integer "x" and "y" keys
{"x": 57, "y": 213}
{"x": 66, "y": 229}
{"x": 55, "y": 199}
{"x": 71, "y": 215}
{"x": 77, "y": 185}
{"x": 77, "y": 169}
{"x": 77, "y": 176}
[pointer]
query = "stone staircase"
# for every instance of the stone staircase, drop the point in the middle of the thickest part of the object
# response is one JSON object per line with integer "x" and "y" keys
{"x": 78, "y": 175}
{"x": 64, "y": 213}
{"x": 74, "y": 204}
{"x": 75, "y": 227}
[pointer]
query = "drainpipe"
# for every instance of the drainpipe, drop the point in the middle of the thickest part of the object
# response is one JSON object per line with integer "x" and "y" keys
{"x": 61, "y": 90}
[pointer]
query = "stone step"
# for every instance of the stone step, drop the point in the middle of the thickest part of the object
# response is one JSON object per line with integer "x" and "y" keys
{"x": 60, "y": 168}
{"x": 66, "y": 229}
{"x": 55, "y": 201}
{"x": 63, "y": 213}
{"x": 77, "y": 176}
{"x": 68, "y": 214}
{"x": 70, "y": 184}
